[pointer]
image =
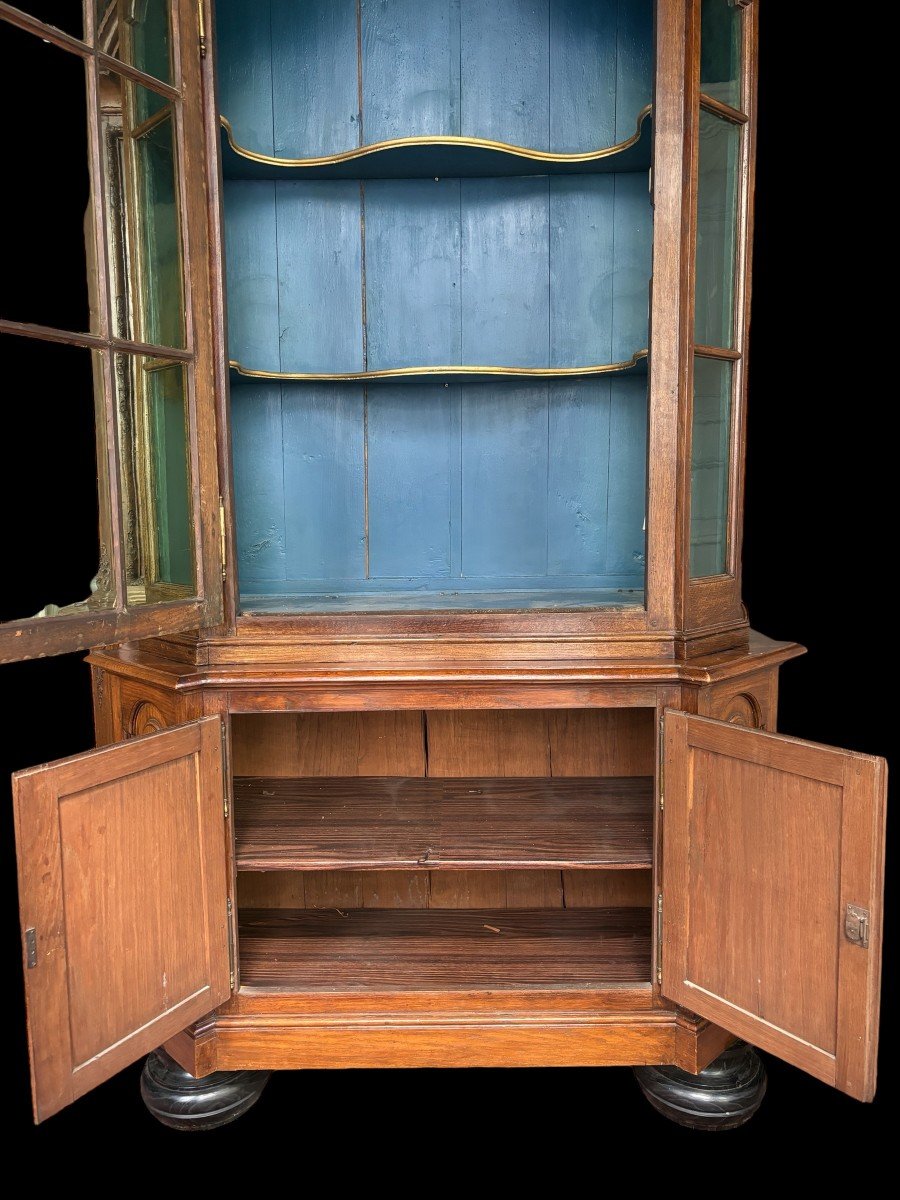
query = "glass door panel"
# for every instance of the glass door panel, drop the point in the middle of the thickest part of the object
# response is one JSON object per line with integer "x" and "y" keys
{"x": 717, "y": 208}
{"x": 720, "y": 51}
{"x": 710, "y": 465}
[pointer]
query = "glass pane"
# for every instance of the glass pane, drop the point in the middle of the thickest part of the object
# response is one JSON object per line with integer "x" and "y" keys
{"x": 720, "y": 51}
{"x": 143, "y": 223}
{"x": 48, "y": 244}
{"x": 717, "y": 195}
{"x": 710, "y": 466}
{"x": 67, "y": 15}
{"x": 136, "y": 32}
{"x": 155, "y": 479}
{"x": 51, "y": 538}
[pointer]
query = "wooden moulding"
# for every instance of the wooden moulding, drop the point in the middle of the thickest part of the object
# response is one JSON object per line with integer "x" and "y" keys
{"x": 547, "y": 1034}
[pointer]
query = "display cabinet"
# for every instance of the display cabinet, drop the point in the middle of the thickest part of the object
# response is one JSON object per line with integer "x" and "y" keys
{"x": 431, "y": 730}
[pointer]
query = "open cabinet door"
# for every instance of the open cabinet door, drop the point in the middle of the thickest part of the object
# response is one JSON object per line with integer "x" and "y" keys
{"x": 773, "y": 856}
{"x": 122, "y": 885}
{"x": 134, "y": 365}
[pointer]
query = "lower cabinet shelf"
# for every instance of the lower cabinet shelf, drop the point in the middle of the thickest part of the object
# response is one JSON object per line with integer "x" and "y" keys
{"x": 304, "y": 950}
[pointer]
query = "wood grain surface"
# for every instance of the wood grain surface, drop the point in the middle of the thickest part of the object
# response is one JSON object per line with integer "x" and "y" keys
{"x": 341, "y": 950}
{"x": 394, "y": 823}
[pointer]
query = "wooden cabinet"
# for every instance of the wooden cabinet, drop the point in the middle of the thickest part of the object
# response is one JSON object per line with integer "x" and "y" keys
{"x": 433, "y": 731}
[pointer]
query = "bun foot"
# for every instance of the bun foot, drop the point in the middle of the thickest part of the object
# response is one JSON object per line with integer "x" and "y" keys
{"x": 724, "y": 1095}
{"x": 180, "y": 1101}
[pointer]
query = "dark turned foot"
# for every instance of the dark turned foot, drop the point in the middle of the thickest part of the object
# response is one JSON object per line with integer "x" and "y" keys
{"x": 724, "y": 1095}
{"x": 180, "y": 1101}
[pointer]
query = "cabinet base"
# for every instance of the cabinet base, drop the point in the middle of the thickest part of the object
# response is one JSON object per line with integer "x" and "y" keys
{"x": 180, "y": 1101}
{"x": 723, "y": 1095}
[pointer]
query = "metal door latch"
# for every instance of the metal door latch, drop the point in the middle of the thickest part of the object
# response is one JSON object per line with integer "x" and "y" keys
{"x": 856, "y": 925}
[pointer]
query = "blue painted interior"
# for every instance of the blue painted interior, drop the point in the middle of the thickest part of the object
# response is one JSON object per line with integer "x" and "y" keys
{"x": 418, "y": 493}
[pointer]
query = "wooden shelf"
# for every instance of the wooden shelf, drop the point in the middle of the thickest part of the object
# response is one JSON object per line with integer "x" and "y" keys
{"x": 441, "y": 157}
{"x": 447, "y": 373}
{"x": 421, "y": 949}
{"x": 451, "y": 824}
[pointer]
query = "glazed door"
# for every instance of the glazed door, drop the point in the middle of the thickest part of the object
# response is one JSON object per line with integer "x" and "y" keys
{"x": 106, "y": 325}
{"x": 123, "y": 903}
{"x": 772, "y": 877}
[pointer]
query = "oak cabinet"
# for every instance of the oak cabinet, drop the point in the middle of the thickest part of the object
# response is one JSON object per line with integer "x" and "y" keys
{"x": 431, "y": 730}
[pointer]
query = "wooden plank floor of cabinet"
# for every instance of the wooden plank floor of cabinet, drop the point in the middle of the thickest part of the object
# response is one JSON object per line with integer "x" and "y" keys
{"x": 422, "y": 949}
{"x": 391, "y": 823}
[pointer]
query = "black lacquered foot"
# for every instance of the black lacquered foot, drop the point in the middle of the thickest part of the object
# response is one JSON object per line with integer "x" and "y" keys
{"x": 724, "y": 1095}
{"x": 180, "y": 1101}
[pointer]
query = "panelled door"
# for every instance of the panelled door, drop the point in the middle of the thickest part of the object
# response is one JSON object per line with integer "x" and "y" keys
{"x": 772, "y": 879}
{"x": 123, "y": 903}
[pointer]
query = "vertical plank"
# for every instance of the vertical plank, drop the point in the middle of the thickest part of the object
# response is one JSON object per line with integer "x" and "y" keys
{"x": 634, "y": 63}
{"x": 628, "y": 473}
{"x": 244, "y": 71}
{"x": 505, "y": 85}
{"x": 323, "y": 481}
{"x": 319, "y": 275}
{"x": 607, "y": 889}
{"x": 488, "y": 742}
{"x": 409, "y": 481}
{"x": 601, "y": 741}
{"x": 314, "y": 77}
{"x": 583, "y": 69}
{"x": 504, "y": 479}
{"x": 251, "y": 272}
{"x": 482, "y": 743}
{"x": 578, "y": 477}
{"x": 410, "y": 68}
{"x": 413, "y": 294}
{"x": 271, "y": 889}
{"x": 256, "y": 428}
{"x": 584, "y": 263}
{"x": 633, "y": 241}
{"x": 289, "y": 745}
{"x": 334, "y": 889}
{"x": 396, "y": 889}
{"x": 505, "y": 263}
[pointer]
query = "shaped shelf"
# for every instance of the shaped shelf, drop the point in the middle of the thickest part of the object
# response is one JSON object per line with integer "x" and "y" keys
{"x": 450, "y": 824}
{"x": 636, "y": 365}
{"x": 313, "y": 950}
{"x": 429, "y": 157}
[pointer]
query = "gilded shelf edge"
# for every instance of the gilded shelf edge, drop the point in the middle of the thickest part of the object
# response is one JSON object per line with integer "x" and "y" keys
{"x": 409, "y": 372}
{"x": 471, "y": 143}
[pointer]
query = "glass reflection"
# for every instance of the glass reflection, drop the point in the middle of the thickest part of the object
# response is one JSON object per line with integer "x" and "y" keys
{"x": 143, "y": 219}
{"x": 155, "y": 479}
{"x": 717, "y": 197}
{"x": 710, "y": 466}
{"x": 720, "y": 51}
{"x": 136, "y": 32}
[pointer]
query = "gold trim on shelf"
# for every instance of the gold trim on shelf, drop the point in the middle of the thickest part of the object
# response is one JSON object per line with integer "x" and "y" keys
{"x": 470, "y": 143}
{"x": 413, "y": 372}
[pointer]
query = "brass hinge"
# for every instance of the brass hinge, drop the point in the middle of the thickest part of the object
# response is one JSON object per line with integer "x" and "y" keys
{"x": 661, "y": 764}
{"x": 225, "y": 771}
{"x": 31, "y": 947}
{"x": 201, "y": 27}
{"x": 223, "y": 537}
{"x": 856, "y": 925}
{"x": 659, "y": 937}
{"x": 230, "y": 910}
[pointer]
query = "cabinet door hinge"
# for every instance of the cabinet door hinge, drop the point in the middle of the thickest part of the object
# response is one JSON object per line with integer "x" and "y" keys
{"x": 201, "y": 28}
{"x": 226, "y": 783}
{"x": 223, "y": 538}
{"x": 31, "y": 948}
{"x": 661, "y": 765}
{"x": 230, "y": 913}
{"x": 659, "y": 937}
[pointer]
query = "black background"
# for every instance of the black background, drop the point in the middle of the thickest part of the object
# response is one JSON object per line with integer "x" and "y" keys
{"x": 816, "y": 543}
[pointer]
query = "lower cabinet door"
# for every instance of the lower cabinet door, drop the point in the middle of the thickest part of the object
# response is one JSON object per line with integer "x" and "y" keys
{"x": 772, "y": 880}
{"x": 123, "y": 900}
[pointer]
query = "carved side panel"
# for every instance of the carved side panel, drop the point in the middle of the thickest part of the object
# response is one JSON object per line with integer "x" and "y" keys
{"x": 750, "y": 700}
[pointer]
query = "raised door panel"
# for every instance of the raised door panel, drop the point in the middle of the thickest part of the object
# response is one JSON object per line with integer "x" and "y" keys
{"x": 773, "y": 851}
{"x": 123, "y": 895}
